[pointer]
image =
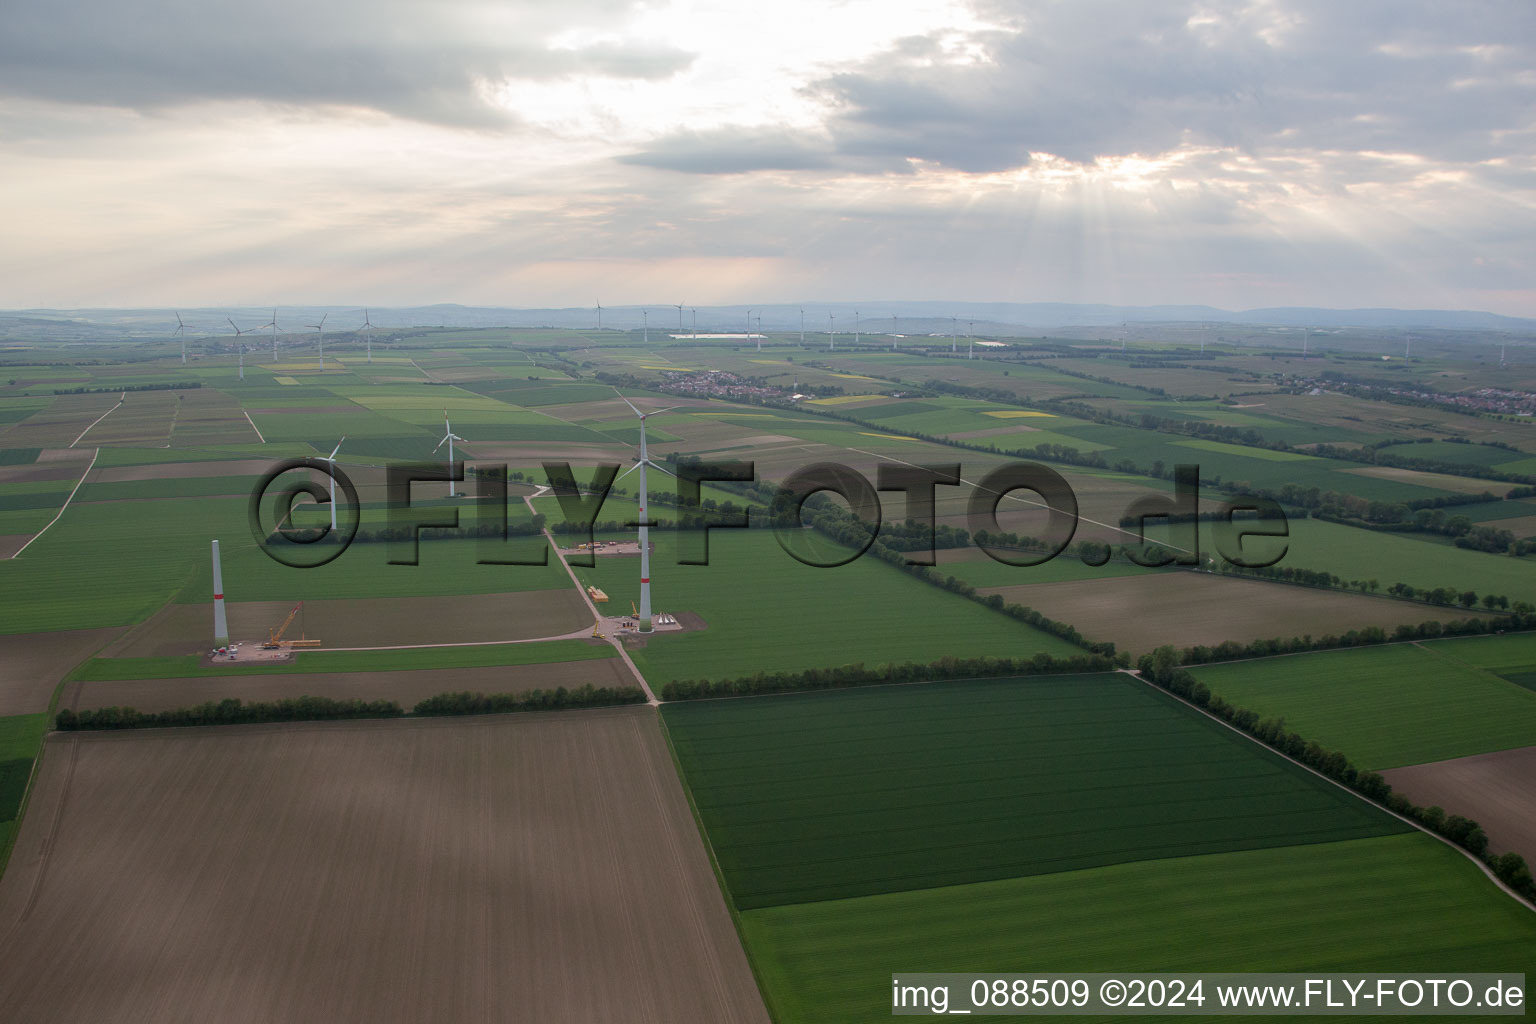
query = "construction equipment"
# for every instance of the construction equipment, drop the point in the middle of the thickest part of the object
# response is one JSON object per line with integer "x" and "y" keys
{"x": 633, "y": 610}
{"x": 275, "y": 639}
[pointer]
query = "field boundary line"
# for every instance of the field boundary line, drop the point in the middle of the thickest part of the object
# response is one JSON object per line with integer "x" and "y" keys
{"x": 62, "y": 507}
{"x": 123, "y": 398}
{"x": 254, "y": 427}
{"x": 714, "y": 862}
{"x": 1484, "y": 868}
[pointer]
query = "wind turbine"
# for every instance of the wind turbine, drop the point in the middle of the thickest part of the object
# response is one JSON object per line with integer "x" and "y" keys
{"x": 895, "y": 331}
{"x": 679, "y": 306}
{"x": 855, "y": 328}
{"x": 749, "y": 325}
{"x": 645, "y": 320}
{"x": 448, "y": 438}
{"x": 1306, "y": 337}
{"x": 273, "y": 325}
{"x": 759, "y": 333}
{"x": 599, "y": 314}
{"x": 970, "y": 336}
{"x": 321, "y": 328}
{"x": 954, "y": 333}
{"x": 645, "y": 529}
{"x": 241, "y": 344}
{"x": 695, "y": 314}
{"x": 802, "y": 327}
{"x": 181, "y": 332}
{"x": 1407, "y": 344}
{"x": 831, "y": 338}
{"x": 367, "y": 336}
{"x": 331, "y": 458}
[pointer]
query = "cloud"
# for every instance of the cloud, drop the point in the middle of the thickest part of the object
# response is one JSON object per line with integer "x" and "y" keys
{"x": 1094, "y": 78}
{"x": 732, "y": 151}
{"x": 430, "y": 61}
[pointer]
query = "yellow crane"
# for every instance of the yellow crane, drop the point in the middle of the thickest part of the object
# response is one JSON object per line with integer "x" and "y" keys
{"x": 275, "y": 638}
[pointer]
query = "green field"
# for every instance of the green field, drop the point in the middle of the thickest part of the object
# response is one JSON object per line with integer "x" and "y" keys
{"x": 855, "y": 792}
{"x": 1352, "y": 553}
{"x": 767, "y": 612}
{"x": 1397, "y": 903}
{"x": 191, "y": 666}
{"x": 1383, "y": 707}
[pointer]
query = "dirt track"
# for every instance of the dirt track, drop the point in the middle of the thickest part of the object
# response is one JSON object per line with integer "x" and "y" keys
{"x": 1498, "y": 791}
{"x": 31, "y": 665}
{"x": 528, "y": 868}
{"x": 405, "y": 687}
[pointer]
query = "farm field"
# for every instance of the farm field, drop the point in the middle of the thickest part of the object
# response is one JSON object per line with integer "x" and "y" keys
{"x": 539, "y": 867}
{"x": 1400, "y": 903}
{"x": 404, "y": 686}
{"x": 184, "y": 628}
{"x": 1351, "y": 553}
{"x": 31, "y": 665}
{"x": 849, "y": 793}
{"x": 1511, "y": 657}
{"x": 1383, "y": 707}
{"x": 194, "y": 666}
{"x": 765, "y": 611}
{"x": 1139, "y": 613}
{"x": 1493, "y": 790}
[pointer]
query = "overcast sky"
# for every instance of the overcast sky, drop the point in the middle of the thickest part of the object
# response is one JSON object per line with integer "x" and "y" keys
{"x": 391, "y": 152}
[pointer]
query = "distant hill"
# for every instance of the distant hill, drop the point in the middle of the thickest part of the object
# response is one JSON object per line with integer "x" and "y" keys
{"x": 874, "y": 317}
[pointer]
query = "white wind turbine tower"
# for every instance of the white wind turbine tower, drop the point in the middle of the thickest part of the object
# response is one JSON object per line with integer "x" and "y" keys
{"x": 331, "y": 458}
{"x": 895, "y": 331}
{"x": 749, "y": 325}
{"x": 855, "y": 328}
{"x": 954, "y": 334}
{"x": 181, "y": 332}
{"x": 645, "y": 319}
{"x": 831, "y": 337}
{"x": 273, "y": 325}
{"x": 679, "y": 306}
{"x": 1306, "y": 338}
{"x": 599, "y": 314}
{"x": 695, "y": 314}
{"x": 220, "y": 623}
{"x": 970, "y": 336}
{"x": 367, "y": 330}
{"x": 321, "y": 328}
{"x": 759, "y": 333}
{"x": 802, "y": 327}
{"x": 448, "y": 438}
{"x": 241, "y": 344}
{"x": 641, "y": 462}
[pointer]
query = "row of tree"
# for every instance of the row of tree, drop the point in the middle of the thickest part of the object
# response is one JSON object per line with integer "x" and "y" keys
{"x": 1161, "y": 667}
{"x": 184, "y": 385}
{"x": 859, "y": 674}
{"x": 233, "y": 711}
{"x": 1367, "y": 636}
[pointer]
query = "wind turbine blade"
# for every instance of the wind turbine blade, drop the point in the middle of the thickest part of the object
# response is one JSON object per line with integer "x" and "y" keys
{"x": 626, "y": 473}
{"x": 628, "y": 402}
{"x": 664, "y": 469}
{"x": 331, "y": 457}
{"x": 440, "y": 444}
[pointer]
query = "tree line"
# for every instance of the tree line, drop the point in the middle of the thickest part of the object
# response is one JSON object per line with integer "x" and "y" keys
{"x": 233, "y": 711}
{"x": 1161, "y": 668}
{"x": 858, "y": 674}
{"x": 1367, "y": 636}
